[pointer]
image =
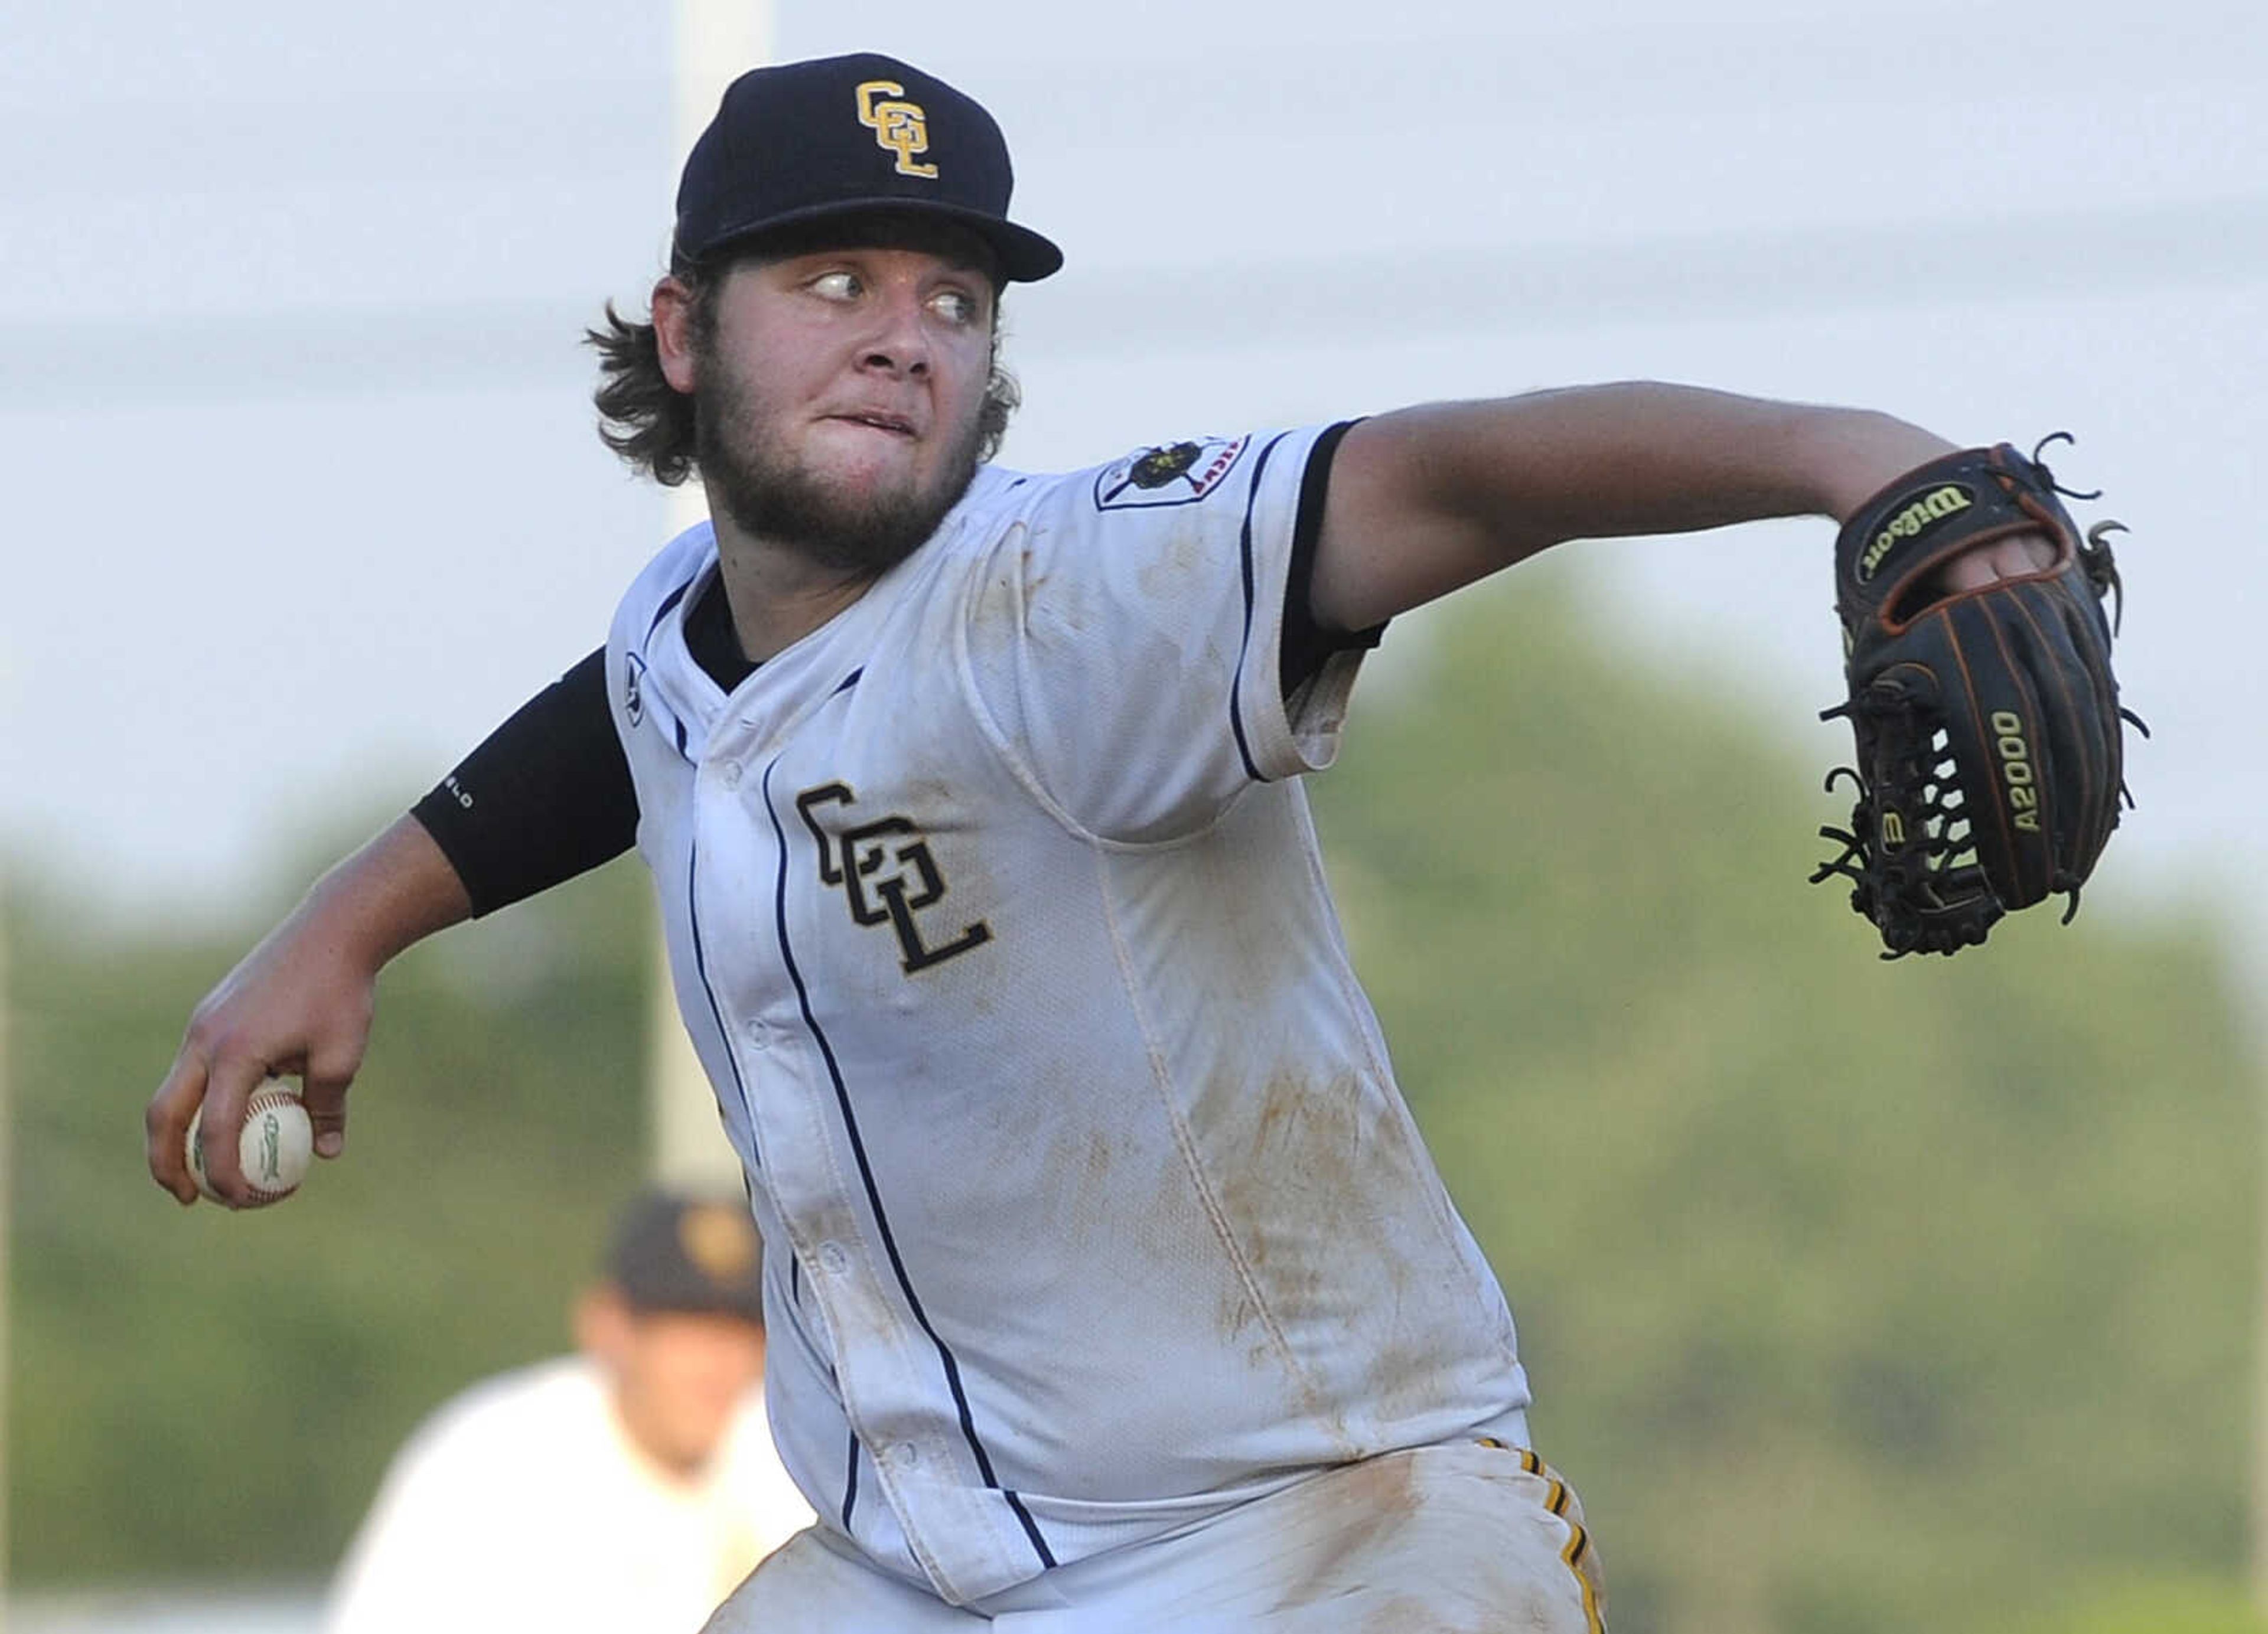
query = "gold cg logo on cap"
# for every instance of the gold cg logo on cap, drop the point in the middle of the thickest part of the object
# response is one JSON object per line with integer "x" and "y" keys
{"x": 901, "y": 127}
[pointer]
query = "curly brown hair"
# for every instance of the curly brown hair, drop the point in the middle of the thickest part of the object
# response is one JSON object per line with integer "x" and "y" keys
{"x": 652, "y": 425}
{"x": 642, "y": 416}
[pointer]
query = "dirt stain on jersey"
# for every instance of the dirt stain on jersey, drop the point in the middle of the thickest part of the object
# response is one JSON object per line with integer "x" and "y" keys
{"x": 1274, "y": 1193}
{"x": 1321, "y": 1176}
{"x": 1176, "y": 560}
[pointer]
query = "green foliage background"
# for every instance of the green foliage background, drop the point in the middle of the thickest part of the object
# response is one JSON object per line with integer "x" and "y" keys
{"x": 1858, "y": 1296}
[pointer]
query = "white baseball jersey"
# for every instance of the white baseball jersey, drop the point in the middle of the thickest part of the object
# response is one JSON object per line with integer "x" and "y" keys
{"x": 995, "y": 911}
{"x": 523, "y": 1503}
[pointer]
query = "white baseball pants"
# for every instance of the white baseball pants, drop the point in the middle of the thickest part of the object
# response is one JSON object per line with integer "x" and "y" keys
{"x": 1437, "y": 1539}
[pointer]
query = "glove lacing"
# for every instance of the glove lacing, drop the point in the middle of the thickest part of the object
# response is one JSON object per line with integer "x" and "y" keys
{"x": 1928, "y": 896}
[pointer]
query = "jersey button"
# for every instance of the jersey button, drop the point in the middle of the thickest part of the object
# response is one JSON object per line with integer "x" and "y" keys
{"x": 905, "y": 1455}
{"x": 731, "y": 775}
{"x": 832, "y": 1259}
{"x": 760, "y": 1036}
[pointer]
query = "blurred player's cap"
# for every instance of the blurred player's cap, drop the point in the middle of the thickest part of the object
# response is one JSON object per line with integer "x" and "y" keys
{"x": 806, "y": 141}
{"x": 688, "y": 1254}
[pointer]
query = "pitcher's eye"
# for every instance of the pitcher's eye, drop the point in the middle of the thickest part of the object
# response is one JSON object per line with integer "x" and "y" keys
{"x": 955, "y": 306}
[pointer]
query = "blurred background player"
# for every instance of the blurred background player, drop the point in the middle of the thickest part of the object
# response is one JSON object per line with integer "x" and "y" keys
{"x": 626, "y": 1488}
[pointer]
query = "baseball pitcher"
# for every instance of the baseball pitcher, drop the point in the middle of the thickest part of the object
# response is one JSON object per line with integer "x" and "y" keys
{"x": 1112, "y": 1287}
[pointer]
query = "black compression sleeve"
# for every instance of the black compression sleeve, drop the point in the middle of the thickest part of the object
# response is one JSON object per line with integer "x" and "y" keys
{"x": 1307, "y": 646}
{"x": 546, "y": 797}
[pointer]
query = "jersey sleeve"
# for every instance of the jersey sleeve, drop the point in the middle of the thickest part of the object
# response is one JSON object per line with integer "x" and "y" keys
{"x": 545, "y": 797}
{"x": 1126, "y": 637}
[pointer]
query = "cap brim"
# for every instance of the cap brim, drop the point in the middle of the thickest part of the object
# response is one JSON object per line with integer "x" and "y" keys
{"x": 1024, "y": 255}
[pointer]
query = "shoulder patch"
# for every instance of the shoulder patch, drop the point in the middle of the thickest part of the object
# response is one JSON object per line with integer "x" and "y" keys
{"x": 1171, "y": 473}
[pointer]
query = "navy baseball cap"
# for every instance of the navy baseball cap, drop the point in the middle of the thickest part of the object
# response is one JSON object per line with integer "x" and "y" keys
{"x": 674, "y": 1253}
{"x": 805, "y": 141}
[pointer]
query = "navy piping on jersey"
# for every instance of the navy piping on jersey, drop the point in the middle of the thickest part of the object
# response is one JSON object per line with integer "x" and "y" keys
{"x": 667, "y": 602}
{"x": 1236, "y": 685}
{"x": 873, "y": 1193}
{"x": 701, "y": 967}
{"x": 851, "y": 1481}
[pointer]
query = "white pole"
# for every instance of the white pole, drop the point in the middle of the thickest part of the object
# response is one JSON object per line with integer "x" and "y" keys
{"x": 717, "y": 41}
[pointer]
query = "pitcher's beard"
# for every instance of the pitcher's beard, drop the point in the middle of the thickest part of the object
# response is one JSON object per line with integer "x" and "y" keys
{"x": 768, "y": 494}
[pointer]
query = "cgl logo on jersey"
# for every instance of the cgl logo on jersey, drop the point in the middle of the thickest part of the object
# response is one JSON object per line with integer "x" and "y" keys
{"x": 1171, "y": 473}
{"x": 899, "y": 128}
{"x": 887, "y": 873}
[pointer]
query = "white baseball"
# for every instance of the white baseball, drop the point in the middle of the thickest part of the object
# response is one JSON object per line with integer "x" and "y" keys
{"x": 276, "y": 1145}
